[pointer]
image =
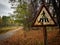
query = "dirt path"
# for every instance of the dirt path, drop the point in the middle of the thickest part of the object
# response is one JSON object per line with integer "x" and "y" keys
{"x": 9, "y": 34}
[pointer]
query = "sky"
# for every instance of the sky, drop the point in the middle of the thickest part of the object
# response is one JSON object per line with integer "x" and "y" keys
{"x": 5, "y": 8}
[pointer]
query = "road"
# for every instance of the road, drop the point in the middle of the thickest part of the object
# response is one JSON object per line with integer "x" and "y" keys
{"x": 9, "y": 34}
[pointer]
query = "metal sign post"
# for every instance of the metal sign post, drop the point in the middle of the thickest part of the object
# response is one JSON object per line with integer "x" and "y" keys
{"x": 45, "y": 36}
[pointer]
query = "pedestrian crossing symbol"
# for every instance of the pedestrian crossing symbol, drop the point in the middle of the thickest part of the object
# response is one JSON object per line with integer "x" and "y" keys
{"x": 43, "y": 18}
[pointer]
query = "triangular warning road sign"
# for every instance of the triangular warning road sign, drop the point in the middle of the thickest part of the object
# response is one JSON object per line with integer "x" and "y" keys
{"x": 43, "y": 18}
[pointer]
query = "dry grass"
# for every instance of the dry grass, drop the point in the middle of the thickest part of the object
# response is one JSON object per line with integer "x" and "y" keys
{"x": 32, "y": 37}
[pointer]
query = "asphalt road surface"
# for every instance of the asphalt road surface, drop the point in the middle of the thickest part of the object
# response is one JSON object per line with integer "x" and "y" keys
{"x": 9, "y": 34}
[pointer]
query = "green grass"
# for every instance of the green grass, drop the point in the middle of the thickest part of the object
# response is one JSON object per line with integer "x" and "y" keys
{"x": 6, "y": 29}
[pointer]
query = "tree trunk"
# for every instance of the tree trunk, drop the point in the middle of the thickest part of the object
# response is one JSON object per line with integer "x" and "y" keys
{"x": 57, "y": 10}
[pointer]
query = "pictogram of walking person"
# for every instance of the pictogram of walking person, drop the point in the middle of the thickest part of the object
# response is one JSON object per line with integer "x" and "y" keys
{"x": 44, "y": 18}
